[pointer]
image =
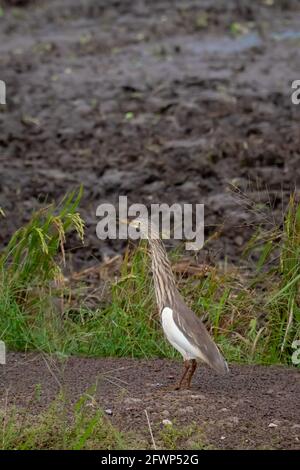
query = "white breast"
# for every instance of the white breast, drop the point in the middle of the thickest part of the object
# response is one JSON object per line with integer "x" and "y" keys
{"x": 177, "y": 338}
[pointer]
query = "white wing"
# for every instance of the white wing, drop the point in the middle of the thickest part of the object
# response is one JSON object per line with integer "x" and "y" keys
{"x": 177, "y": 338}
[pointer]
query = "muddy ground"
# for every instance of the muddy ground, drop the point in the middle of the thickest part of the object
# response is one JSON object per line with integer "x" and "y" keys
{"x": 253, "y": 408}
{"x": 164, "y": 101}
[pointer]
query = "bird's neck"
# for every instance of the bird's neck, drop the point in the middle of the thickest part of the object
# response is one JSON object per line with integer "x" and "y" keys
{"x": 164, "y": 281}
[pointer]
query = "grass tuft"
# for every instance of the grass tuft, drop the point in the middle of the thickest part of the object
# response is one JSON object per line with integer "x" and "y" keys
{"x": 62, "y": 425}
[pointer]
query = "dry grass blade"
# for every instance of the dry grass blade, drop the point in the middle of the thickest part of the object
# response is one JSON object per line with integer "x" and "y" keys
{"x": 150, "y": 430}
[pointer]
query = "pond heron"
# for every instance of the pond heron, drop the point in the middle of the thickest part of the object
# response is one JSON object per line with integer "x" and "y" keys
{"x": 183, "y": 329}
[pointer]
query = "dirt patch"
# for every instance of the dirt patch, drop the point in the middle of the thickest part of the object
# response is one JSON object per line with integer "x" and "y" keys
{"x": 254, "y": 408}
{"x": 161, "y": 101}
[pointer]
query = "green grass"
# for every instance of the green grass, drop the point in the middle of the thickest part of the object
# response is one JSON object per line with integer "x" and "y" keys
{"x": 31, "y": 255}
{"x": 63, "y": 425}
{"x": 254, "y": 316}
{"x": 173, "y": 437}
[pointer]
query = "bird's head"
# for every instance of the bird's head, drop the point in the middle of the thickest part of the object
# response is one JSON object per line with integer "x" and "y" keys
{"x": 144, "y": 226}
{"x": 147, "y": 228}
{"x": 140, "y": 223}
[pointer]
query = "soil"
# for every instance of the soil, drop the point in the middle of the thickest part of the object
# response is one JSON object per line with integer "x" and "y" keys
{"x": 164, "y": 101}
{"x": 255, "y": 407}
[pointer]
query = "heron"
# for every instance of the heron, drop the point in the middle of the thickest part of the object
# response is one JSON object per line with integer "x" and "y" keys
{"x": 182, "y": 327}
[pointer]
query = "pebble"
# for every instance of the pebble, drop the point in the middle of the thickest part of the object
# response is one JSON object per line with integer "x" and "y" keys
{"x": 273, "y": 425}
{"x": 296, "y": 426}
{"x": 198, "y": 397}
{"x": 188, "y": 409}
{"x": 239, "y": 240}
{"x": 132, "y": 401}
{"x": 234, "y": 419}
{"x": 108, "y": 411}
{"x": 167, "y": 422}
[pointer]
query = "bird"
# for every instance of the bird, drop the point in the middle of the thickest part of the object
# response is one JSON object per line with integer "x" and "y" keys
{"x": 182, "y": 327}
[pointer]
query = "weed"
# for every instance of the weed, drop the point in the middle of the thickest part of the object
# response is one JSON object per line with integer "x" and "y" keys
{"x": 62, "y": 425}
{"x": 173, "y": 437}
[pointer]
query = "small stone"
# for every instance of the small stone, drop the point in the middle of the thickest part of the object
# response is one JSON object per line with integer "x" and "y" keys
{"x": 165, "y": 413}
{"x": 108, "y": 411}
{"x": 188, "y": 409}
{"x": 224, "y": 409}
{"x": 167, "y": 422}
{"x": 234, "y": 419}
{"x": 222, "y": 438}
{"x": 239, "y": 240}
{"x": 132, "y": 401}
{"x": 198, "y": 397}
{"x": 273, "y": 425}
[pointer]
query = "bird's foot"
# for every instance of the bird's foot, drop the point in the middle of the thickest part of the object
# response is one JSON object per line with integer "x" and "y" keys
{"x": 184, "y": 386}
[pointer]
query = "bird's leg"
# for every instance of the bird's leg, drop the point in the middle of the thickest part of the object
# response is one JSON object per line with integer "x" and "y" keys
{"x": 192, "y": 368}
{"x": 186, "y": 369}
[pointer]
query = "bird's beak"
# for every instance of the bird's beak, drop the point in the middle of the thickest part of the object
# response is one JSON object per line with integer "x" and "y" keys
{"x": 165, "y": 236}
{"x": 124, "y": 221}
{"x": 132, "y": 223}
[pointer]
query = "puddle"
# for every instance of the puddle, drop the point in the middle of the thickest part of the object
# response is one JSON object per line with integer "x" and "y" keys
{"x": 285, "y": 35}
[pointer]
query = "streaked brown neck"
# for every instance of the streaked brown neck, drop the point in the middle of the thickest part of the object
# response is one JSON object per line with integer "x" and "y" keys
{"x": 164, "y": 281}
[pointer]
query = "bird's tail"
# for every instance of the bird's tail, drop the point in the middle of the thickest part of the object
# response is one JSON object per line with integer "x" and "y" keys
{"x": 214, "y": 358}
